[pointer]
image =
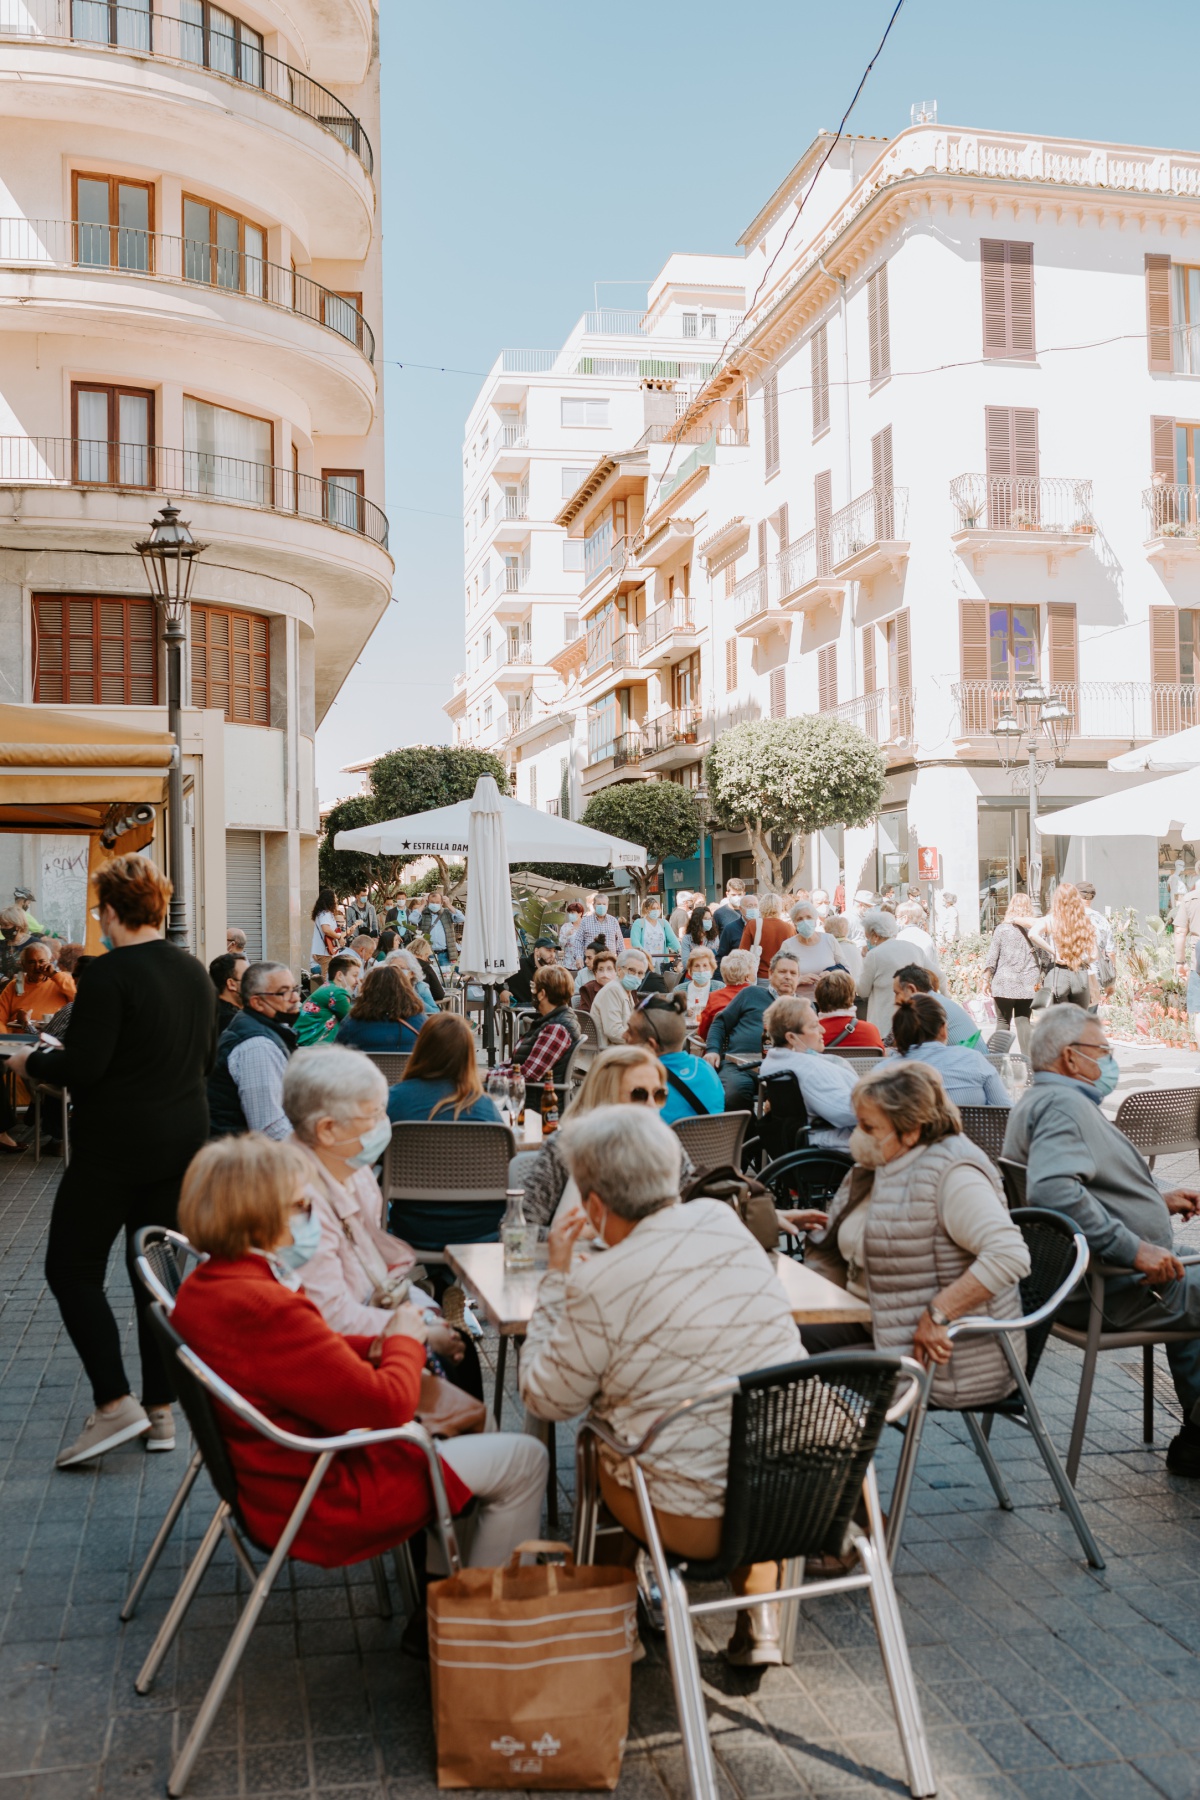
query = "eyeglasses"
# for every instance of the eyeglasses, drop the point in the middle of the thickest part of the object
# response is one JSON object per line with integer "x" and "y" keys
{"x": 1091, "y": 1049}
{"x": 279, "y": 993}
{"x": 642, "y": 1096}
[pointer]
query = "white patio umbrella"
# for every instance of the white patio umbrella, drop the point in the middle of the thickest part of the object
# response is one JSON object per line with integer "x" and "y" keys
{"x": 531, "y": 836}
{"x": 1159, "y": 809}
{"x": 488, "y": 951}
{"x": 1179, "y": 751}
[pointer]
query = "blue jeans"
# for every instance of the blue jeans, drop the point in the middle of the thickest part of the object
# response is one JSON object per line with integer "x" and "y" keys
{"x": 1130, "y": 1307}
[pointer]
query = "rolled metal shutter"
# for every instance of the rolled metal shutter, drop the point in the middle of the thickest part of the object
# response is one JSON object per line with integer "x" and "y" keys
{"x": 244, "y": 888}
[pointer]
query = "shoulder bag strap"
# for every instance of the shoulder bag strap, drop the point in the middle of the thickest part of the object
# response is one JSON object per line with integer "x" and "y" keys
{"x": 843, "y": 1034}
{"x": 681, "y": 1087}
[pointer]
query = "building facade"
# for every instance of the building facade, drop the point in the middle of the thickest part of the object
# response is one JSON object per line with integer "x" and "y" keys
{"x": 948, "y": 450}
{"x": 191, "y": 295}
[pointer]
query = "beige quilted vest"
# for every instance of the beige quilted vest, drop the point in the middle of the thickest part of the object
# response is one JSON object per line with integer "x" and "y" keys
{"x": 910, "y": 1257}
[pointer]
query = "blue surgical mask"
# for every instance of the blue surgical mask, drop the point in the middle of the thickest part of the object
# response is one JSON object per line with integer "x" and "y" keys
{"x": 707, "y": 924}
{"x": 414, "y": 918}
{"x": 653, "y": 917}
{"x": 306, "y": 1236}
{"x": 632, "y": 982}
{"x": 373, "y": 1146}
{"x": 435, "y": 906}
{"x": 702, "y": 977}
{"x": 806, "y": 928}
{"x": 106, "y": 941}
{"x": 750, "y": 913}
{"x": 600, "y": 908}
{"x": 1110, "y": 1071}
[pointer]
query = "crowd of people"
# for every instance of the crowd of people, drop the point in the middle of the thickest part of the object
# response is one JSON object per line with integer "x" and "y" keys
{"x": 240, "y": 1109}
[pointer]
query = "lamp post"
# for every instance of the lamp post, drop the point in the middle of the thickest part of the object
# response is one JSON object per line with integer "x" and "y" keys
{"x": 1041, "y": 712}
{"x": 702, "y": 802}
{"x": 169, "y": 558}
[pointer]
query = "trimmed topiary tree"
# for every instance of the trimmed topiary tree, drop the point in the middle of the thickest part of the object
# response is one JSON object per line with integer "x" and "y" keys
{"x": 660, "y": 815}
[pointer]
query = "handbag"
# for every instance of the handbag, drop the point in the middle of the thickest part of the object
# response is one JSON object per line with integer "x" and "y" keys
{"x": 530, "y": 1673}
{"x": 445, "y": 1410}
{"x": 753, "y": 1203}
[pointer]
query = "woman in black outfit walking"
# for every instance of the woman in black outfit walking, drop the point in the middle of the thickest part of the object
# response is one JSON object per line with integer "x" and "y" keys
{"x": 142, "y": 1040}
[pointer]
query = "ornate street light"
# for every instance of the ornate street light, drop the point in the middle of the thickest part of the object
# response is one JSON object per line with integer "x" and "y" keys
{"x": 1040, "y": 712}
{"x": 169, "y": 559}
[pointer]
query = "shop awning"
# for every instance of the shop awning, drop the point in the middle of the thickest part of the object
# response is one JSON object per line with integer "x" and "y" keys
{"x": 61, "y": 771}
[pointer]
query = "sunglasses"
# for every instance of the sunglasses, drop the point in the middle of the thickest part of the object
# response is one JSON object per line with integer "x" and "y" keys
{"x": 642, "y": 1096}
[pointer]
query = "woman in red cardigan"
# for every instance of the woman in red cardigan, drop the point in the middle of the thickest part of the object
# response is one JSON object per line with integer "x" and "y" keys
{"x": 244, "y": 1312}
{"x": 767, "y": 927}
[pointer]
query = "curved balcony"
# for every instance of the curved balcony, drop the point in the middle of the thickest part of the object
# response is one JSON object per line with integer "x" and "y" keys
{"x": 90, "y": 463}
{"x": 132, "y": 29}
{"x": 59, "y": 244}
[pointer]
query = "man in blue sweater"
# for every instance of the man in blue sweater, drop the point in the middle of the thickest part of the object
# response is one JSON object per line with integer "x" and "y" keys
{"x": 738, "y": 1031}
{"x": 1079, "y": 1164}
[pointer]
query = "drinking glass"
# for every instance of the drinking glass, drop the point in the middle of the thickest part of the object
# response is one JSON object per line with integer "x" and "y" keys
{"x": 497, "y": 1088}
{"x": 516, "y": 1096}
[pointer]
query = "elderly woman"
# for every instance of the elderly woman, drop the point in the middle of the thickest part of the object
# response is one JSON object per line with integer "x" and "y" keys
{"x": 614, "y": 1003}
{"x": 886, "y": 953}
{"x": 767, "y": 926}
{"x": 837, "y": 927}
{"x": 700, "y": 985}
{"x": 358, "y": 1274}
{"x": 245, "y": 1204}
{"x": 813, "y": 949}
{"x": 622, "y": 1335}
{"x": 737, "y": 972}
{"x": 841, "y": 1026}
{"x": 920, "y": 1032}
{"x": 626, "y": 1075}
{"x": 825, "y": 1082}
{"x": 920, "y": 1229}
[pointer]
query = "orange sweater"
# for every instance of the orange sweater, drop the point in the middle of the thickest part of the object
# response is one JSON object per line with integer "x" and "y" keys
{"x": 41, "y": 1001}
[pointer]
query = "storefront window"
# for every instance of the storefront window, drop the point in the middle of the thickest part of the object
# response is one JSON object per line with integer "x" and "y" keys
{"x": 891, "y": 853}
{"x": 1004, "y": 862}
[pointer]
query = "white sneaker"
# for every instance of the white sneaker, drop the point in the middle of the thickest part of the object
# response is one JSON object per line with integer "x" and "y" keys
{"x": 104, "y": 1431}
{"x": 755, "y": 1640}
{"x": 161, "y": 1435}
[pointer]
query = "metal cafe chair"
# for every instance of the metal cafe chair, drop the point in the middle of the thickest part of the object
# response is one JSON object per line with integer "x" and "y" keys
{"x": 1058, "y": 1257}
{"x": 861, "y": 1054}
{"x": 801, "y": 1443}
{"x": 162, "y": 1258}
{"x": 199, "y": 1387}
{"x": 1161, "y": 1121}
{"x": 447, "y": 1160}
{"x": 986, "y": 1126}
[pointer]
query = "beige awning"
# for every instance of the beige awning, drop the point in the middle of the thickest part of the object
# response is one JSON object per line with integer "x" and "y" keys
{"x": 61, "y": 760}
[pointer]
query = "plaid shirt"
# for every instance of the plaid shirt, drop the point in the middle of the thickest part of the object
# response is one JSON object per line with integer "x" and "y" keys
{"x": 551, "y": 1042}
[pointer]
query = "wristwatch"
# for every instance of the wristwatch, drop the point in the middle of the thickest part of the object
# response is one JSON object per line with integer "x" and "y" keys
{"x": 938, "y": 1316}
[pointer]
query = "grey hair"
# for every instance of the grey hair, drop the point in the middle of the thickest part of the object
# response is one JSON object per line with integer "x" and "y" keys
{"x": 631, "y": 958}
{"x": 804, "y": 909}
{"x": 782, "y": 956}
{"x": 788, "y": 1014}
{"x": 911, "y": 913}
{"x": 256, "y": 977}
{"x": 328, "y": 1081}
{"x": 837, "y": 926}
{"x": 877, "y": 923}
{"x": 737, "y": 966}
{"x": 627, "y": 1156}
{"x": 1057, "y": 1027}
{"x": 406, "y": 960}
{"x": 13, "y": 919}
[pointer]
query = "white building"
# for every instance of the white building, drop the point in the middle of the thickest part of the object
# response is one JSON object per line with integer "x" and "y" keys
{"x": 191, "y": 299}
{"x": 540, "y": 424}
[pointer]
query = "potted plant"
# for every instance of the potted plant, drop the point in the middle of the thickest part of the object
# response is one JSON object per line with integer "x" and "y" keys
{"x": 969, "y": 516}
{"x": 1083, "y": 527}
{"x": 1020, "y": 520}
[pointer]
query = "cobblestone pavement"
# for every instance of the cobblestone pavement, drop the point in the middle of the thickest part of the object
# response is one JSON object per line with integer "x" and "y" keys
{"x": 1038, "y": 1678}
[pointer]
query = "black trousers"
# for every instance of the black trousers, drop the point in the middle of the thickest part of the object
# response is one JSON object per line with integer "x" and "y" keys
{"x": 93, "y": 1204}
{"x": 1006, "y": 1008}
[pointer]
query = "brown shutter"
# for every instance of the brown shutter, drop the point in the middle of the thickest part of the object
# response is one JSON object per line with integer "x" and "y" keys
{"x": 1164, "y": 641}
{"x": 1062, "y": 646}
{"x": 879, "y": 330}
{"x": 781, "y": 526}
{"x": 827, "y": 678}
{"x": 820, "y": 380}
{"x": 881, "y": 483}
{"x": 868, "y": 659}
{"x": 770, "y": 388}
{"x": 1007, "y": 276}
{"x": 823, "y": 508}
{"x": 998, "y": 438}
{"x": 903, "y": 656}
{"x": 973, "y": 620}
{"x": 1025, "y": 440}
{"x": 762, "y": 543}
{"x": 1159, "y": 343}
{"x": 779, "y": 693}
{"x": 1020, "y": 299}
{"x": 1162, "y": 448}
{"x": 94, "y": 652}
{"x": 731, "y": 665}
{"x": 993, "y": 262}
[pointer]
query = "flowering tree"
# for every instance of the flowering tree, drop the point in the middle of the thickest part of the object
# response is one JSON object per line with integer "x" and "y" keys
{"x": 777, "y": 778}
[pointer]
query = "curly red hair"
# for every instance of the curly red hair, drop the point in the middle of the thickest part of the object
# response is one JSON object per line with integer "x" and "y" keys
{"x": 135, "y": 888}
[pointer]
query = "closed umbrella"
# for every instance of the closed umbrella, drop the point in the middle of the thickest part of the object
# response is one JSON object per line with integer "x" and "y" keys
{"x": 488, "y": 952}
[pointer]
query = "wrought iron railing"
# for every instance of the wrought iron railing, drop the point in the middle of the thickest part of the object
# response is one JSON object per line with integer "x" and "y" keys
{"x": 670, "y": 730}
{"x": 886, "y": 715}
{"x": 677, "y": 616}
{"x": 1121, "y": 710}
{"x": 198, "y": 474}
{"x": 750, "y": 596}
{"x": 158, "y": 31}
{"x": 796, "y": 565}
{"x": 1173, "y": 509}
{"x": 123, "y": 250}
{"x": 880, "y": 516}
{"x": 1021, "y": 503}
{"x": 620, "y": 651}
{"x": 627, "y": 749}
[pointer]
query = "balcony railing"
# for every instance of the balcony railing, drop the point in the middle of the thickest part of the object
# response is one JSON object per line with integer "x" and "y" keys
{"x": 527, "y": 362}
{"x": 511, "y": 581}
{"x": 602, "y": 553}
{"x": 512, "y": 437}
{"x": 513, "y": 506}
{"x": 60, "y": 244}
{"x": 750, "y": 595}
{"x": 519, "y": 717}
{"x": 198, "y": 474}
{"x": 672, "y": 729}
{"x": 627, "y": 749}
{"x": 618, "y": 652}
{"x": 663, "y": 621}
{"x": 880, "y": 516}
{"x": 618, "y": 322}
{"x": 1173, "y": 510}
{"x": 509, "y": 654}
{"x": 731, "y": 436}
{"x": 143, "y": 31}
{"x": 1021, "y": 503}
{"x": 1126, "y": 711}
{"x": 885, "y": 715}
{"x": 796, "y": 566}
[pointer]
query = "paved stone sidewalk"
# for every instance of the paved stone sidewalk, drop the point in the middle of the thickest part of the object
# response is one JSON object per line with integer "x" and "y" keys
{"x": 1038, "y": 1678}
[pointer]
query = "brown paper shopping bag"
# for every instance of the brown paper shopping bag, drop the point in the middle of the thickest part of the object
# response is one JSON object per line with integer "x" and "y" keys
{"x": 530, "y": 1673}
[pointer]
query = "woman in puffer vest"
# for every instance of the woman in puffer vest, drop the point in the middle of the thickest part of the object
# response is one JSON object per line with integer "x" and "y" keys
{"x": 920, "y": 1229}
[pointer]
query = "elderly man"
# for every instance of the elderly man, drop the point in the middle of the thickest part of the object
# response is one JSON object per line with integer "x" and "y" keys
{"x": 245, "y": 1089}
{"x": 864, "y": 902}
{"x": 599, "y": 923}
{"x": 1079, "y": 1164}
{"x": 738, "y": 1030}
{"x": 681, "y": 1295}
{"x": 614, "y": 1003}
{"x": 887, "y": 954}
{"x": 235, "y": 941}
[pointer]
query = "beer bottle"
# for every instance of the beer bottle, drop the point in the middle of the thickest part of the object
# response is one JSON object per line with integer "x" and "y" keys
{"x": 549, "y": 1107}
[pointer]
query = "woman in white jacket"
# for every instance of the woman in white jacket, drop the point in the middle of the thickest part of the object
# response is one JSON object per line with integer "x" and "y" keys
{"x": 825, "y": 1082}
{"x": 677, "y": 1297}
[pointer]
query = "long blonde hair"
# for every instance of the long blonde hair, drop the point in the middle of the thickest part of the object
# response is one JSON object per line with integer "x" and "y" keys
{"x": 1073, "y": 933}
{"x": 601, "y": 1085}
{"x": 1019, "y": 910}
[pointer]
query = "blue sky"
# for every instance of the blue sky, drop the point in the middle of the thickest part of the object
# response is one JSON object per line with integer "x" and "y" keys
{"x": 532, "y": 150}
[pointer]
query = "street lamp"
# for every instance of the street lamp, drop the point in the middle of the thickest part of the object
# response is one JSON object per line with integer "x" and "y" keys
{"x": 169, "y": 559}
{"x": 1041, "y": 713}
{"x": 701, "y": 793}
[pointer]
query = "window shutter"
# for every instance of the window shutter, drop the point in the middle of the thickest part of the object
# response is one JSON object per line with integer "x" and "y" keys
{"x": 868, "y": 659}
{"x": 781, "y": 526}
{"x": 823, "y": 508}
{"x": 231, "y": 664}
{"x": 1062, "y": 645}
{"x": 1025, "y": 441}
{"x": 1164, "y": 657}
{"x": 998, "y": 438}
{"x": 878, "y": 328}
{"x": 731, "y": 665}
{"x": 881, "y": 483}
{"x": 1159, "y": 344}
{"x": 770, "y": 389}
{"x": 762, "y": 543}
{"x": 244, "y": 887}
{"x": 1007, "y": 277}
{"x": 93, "y": 652}
{"x": 973, "y": 624}
{"x": 779, "y": 693}
{"x": 1162, "y": 448}
{"x": 903, "y": 655}
{"x": 827, "y": 678}
{"x": 820, "y": 380}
